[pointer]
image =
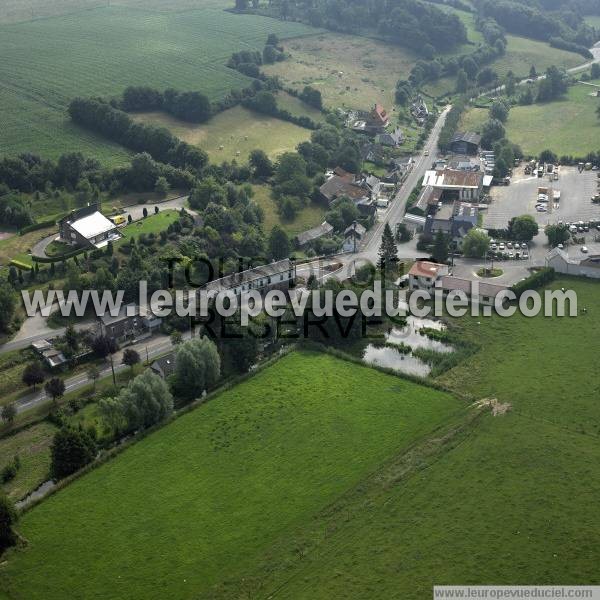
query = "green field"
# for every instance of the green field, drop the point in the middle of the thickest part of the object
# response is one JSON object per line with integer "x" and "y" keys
{"x": 521, "y": 53}
{"x": 234, "y": 133}
{"x": 108, "y": 49}
{"x": 32, "y": 445}
{"x": 343, "y": 489}
{"x": 196, "y": 504}
{"x": 153, "y": 223}
{"x": 350, "y": 71}
{"x": 567, "y": 126}
{"x": 310, "y": 216}
{"x": 593, "y": 20}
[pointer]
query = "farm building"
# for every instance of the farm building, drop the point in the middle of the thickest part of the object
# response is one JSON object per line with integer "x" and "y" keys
{"x": 465, "y": 142}
{"x": 584, "y": 266}
{"x": 316, "y": 233}
{"x": 87, "y": 227}
{"x": 454, "y": 184}
{"x": 279, "y": 275}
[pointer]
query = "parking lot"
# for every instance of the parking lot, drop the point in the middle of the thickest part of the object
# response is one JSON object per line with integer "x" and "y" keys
{"x": 521, "y": 196}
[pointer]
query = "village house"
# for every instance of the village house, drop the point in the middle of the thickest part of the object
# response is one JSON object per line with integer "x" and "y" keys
{"x": 455, "y": 185}
{"x": 316, "y": 233}
{"x": 52, "y": 356}
{"x": 279, "y": 275}
{"x": 353, "y": 235}
{"x": 582, "y": 266}
{"x": 465, "y": 142}
{"x": 419, "y": 110}
{"x": 129, "y": 325}
{"x": 164, "y": 366}
{"x": 374, "y": 122}
{"x": 423, "y": 275}
{"x": 362, "y": 190}
{"x": 87, "y": 227}
{"x": 392, "y": 139}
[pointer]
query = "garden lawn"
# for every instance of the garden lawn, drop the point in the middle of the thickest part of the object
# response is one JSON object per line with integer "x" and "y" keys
{"x": 310, "y": 216}
{"x": 153, "y": 223}
{"x": 234, "y": 133}
{"x": 109, "y": 48}
{"x": 196, "y": 503}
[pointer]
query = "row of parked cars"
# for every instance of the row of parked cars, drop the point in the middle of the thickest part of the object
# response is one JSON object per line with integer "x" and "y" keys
{"x": 508, "y": 250}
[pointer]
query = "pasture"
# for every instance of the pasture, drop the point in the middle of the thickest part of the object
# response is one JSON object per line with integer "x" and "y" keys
{"x": 521, "y": 53}
{"x": 234, "y": 133}
{"x": 498, "y": 499}
{"x": 310, "y": 216}
{"x": 108, "y": 49}
{"x": 566, "y": 126}
{"x": 199, "y": 502}
{"x": 350, "y": 71}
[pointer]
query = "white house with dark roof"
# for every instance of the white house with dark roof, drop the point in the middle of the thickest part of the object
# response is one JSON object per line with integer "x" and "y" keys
{"x": 88, "y": 227}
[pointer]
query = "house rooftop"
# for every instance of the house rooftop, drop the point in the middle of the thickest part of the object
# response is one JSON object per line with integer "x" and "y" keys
{"x": 425, "y": 268}
{"x": 450, "y": 178}
{"x": 92, "y": 225}
{"x": 450, "y": 283}
{"x": 165, "y": 365}
{"x": 236, "y": 279}
{"x": 469, "y": 137}
{"x": 107, "y": 319}
{"x": 315, "y": 233}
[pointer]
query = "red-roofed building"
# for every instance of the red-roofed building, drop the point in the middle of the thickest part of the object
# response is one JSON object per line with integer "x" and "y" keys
{"x": 423, "y": 275}
{"x": 379, "y": 117}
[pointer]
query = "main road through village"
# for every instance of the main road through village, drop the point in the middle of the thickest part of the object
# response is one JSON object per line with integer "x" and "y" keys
{"x": 345, "y": 263}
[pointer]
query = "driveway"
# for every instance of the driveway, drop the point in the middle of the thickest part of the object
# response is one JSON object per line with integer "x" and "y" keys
{"x": 137, "y": 210}
{"x": 39, "y": 249}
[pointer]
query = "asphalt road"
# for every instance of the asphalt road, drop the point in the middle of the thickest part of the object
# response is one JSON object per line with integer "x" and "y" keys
{"x": 147, "y": 349}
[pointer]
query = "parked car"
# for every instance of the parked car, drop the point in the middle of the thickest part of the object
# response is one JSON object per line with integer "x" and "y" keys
{"x": 501, "y": 247}
{"x": 525, "y": 256}
{"x": 541, "y": 208}
{"x": 561, "y": 246}
{"x": 509, "y": 245}
{"x": 524, "y": 246}
{"x": 584, "y": 249}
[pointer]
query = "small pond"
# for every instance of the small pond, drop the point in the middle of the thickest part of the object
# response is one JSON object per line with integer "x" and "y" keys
{"x": 392, "y": 358}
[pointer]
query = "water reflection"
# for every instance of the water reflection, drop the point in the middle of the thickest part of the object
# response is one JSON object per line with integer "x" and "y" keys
{"x": 391, "y": 358}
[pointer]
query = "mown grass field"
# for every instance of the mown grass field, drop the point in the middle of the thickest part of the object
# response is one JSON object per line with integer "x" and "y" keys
{"x": 316, "y": 489}
{"x": 504, "y": 499}
{"x": 593, "y": 20}
{"x": 237, "y": 130}
{"x": 110, "y": 48}
{"x": 310, "y": 216}
{"x": 350, "y": 71}
{"x": 196, "y": 503}
{"x": 567, "y": 126}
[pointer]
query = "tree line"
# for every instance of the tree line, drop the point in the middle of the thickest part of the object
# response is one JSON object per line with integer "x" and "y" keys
{"x": 193, "y": 107}
{"x": 114, "y": 124}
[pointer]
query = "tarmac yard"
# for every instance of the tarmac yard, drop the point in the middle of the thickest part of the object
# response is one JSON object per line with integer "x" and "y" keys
{"x": 521, "y": 196}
